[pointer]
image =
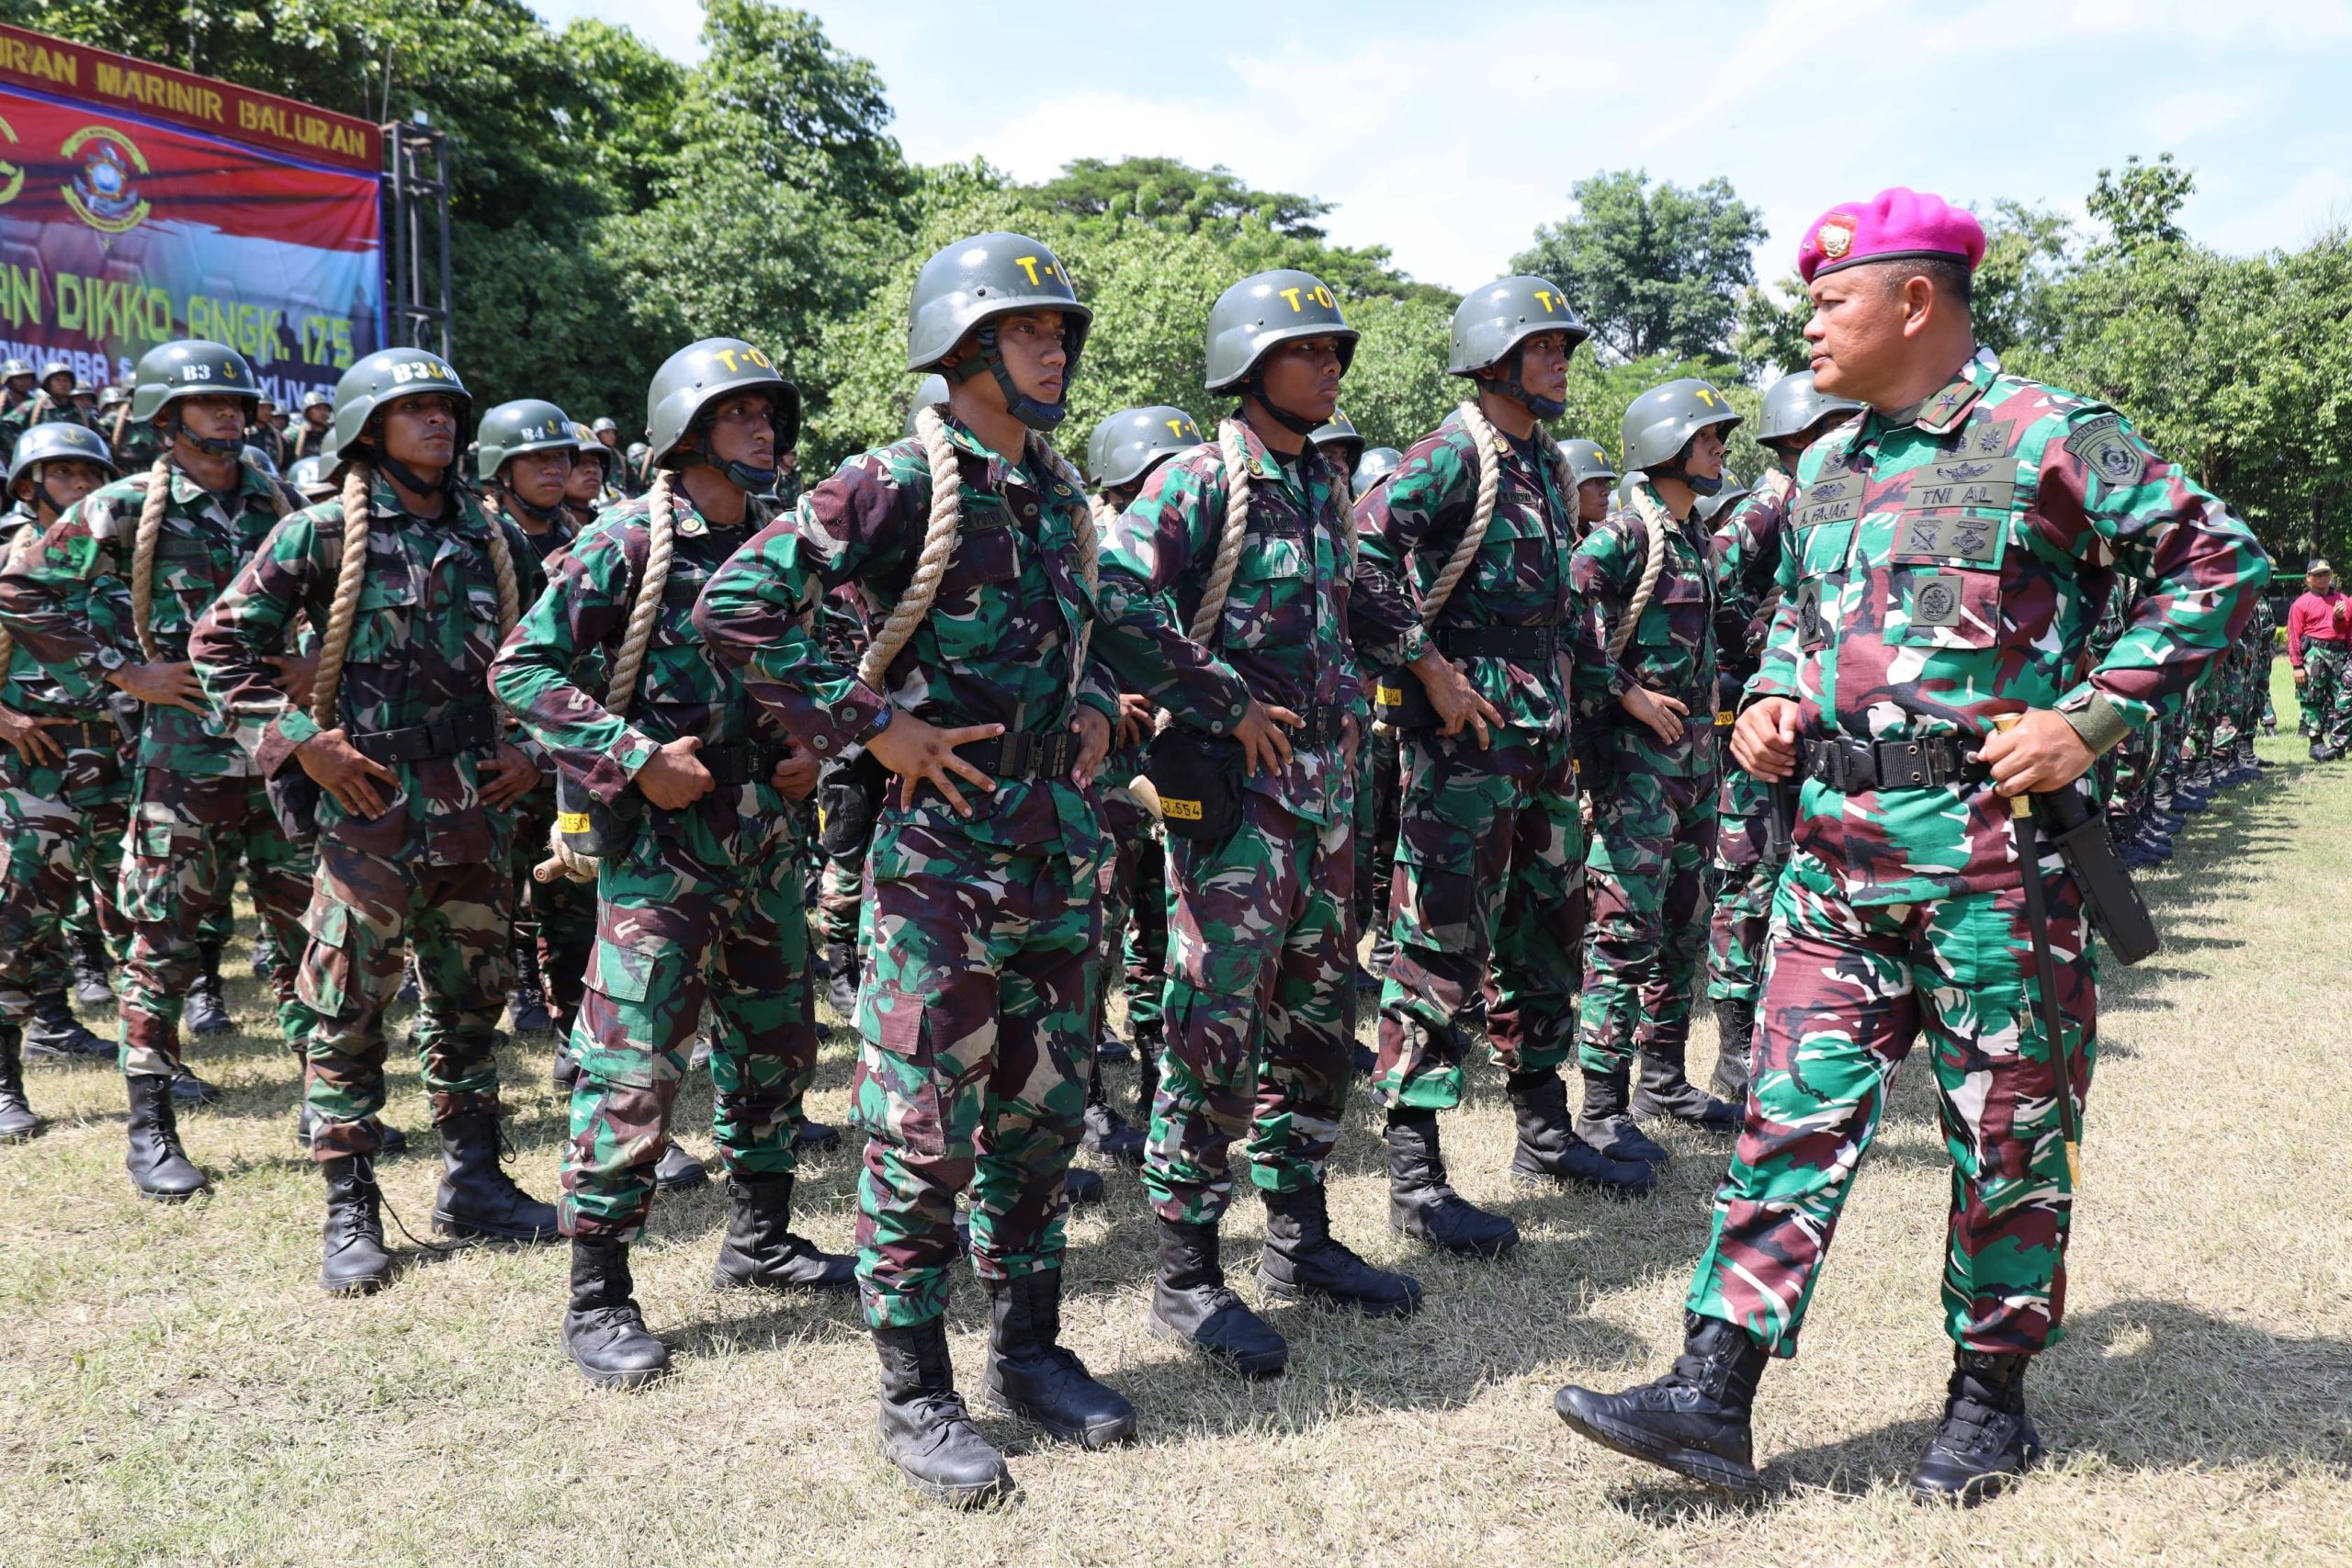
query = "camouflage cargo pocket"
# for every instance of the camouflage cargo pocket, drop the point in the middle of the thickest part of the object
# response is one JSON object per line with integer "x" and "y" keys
{"x": 157, "y": 858}
{"x": 631, "y": 982}
{"x": 328, "y": 978}
{"x": 894, "y": 1095}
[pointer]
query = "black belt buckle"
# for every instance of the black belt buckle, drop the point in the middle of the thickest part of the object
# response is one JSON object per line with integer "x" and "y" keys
{"x": 1904, "y": 764}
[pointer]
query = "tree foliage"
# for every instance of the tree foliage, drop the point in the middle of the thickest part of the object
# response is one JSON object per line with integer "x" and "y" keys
{"x": 1654, "y": 269}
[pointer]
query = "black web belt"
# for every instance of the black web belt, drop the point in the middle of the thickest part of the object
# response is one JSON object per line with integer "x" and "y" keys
{"x": 1848, "y": 766}
{"x": 1529, "y": 645}
{"x": 739, "y": 762}
{"x": 1022, "y": 756}
{"x": 471, "y": 728}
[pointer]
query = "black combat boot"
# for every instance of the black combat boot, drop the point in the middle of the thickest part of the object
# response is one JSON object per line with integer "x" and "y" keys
{"x": 1694, "y": 1420}
{"x": 17, "y": 1121}
{"x": 1109, "y": 1047}
{"x": 1735, "y": 1034}
{"x": 1149, "y": 1044}
{"x": 1666, "y": 1090}
{"x": 840, "y": 966}
{"x": 924, "y": 1428}
{"x": 679, "y": 1171}
{"x": 603, "y": 1333}
{"x": 1107, "y": 1134}
{"x": 1029, "y": 1372}
{"x": 478, "y": 1201}
{"x": 158, "y": 1167}
{"x": 1191, "y": 1306}
{"x": 391, "y": 1141}
{"x": 1549, "y": 1149}
{"x": 1605, "y": 1123}
{"x": 1082, "y": 1186}
{"x": 1985, "y": 1439}
{"x": 820, "y": 1136}
{"x": 189, "y": 1090}
{"x": 760, "y": 1249}
{"x": 1423, "y": 1205}
{"x": 91, "y": 986}
{"x": 1303, "y": 1263}
{"x": 208, "y": 1010}
{"x": 355, "y": 1263}
{"x": 566, "y": 1072}
{"x": 526, "y": 1001}
{"x": 54, "y": 1033}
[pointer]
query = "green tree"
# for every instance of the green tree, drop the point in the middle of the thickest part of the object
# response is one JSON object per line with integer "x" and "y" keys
{"x": 1656, "y": 269}
{"x": 1166, "y": 190}
{"x": 2139, "y": 205}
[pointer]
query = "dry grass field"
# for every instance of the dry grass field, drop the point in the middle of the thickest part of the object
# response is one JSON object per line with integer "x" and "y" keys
{"x": 176, "y": 1389}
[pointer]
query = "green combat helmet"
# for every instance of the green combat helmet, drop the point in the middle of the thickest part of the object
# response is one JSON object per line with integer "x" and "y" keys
{"x": 57, "y": 443}
{"x": 1124, "y": 447}
{"x": 1587, "y": 461}
{"x": 1660, "y": 423}
{"x": 604, "y": 427}
{"x": 586, "y": 445}
{"x": 310, "y": 477}
{"x": 1793, "y": 405}
{"x": 525, "y": 424}
{"x": 1373, "y": 468}
{"x": 192, "y": 367}
{"x": 930, "y": 391}
{"x": 1257, "y": 315}
{"x": 374, "y": 381}
{"x": 966, "y": 288}
{"x": 1711, "y": 509}
{"x": 1491, "y": 322}
{"x": 699, "y": 375}
{"x": 259, "y": 461}
{"x": 1340, "y": 433}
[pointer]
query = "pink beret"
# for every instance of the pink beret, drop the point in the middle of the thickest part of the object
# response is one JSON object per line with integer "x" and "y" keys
{"x": 1900, "y": 224}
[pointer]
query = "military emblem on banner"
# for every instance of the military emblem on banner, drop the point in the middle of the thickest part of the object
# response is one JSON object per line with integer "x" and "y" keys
{"x": 12, "y": 176}
{"x": 105, "y": 187}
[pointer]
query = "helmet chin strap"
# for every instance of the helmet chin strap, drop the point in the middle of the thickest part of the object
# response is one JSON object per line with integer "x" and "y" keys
{"x": 1514, "y": 387}
{"x": 1681, "y": 474}
{"x": 1029, "y": 411}
{"x": 543, "y": 515}
{"x": 175, "y": 430}
{"x": 1297, "y": 424}
{"x": 408, "y": 479}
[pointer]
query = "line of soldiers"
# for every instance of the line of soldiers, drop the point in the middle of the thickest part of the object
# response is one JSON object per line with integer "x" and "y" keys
{"x": 996, "y": 683}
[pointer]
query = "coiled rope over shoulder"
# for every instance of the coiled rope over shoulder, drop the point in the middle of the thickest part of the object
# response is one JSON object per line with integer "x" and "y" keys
{"x": 1234, "y": 455}
{"x": 1656, "y": 522}
{"x": 143, "y": 542}
{"x": 351, "y": 573}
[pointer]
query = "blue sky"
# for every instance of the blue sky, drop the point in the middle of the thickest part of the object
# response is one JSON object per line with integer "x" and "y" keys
{"x": 1448, "y": 133}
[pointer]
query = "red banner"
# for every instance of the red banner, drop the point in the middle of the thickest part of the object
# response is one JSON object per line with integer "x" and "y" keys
{"x": 61, "y": 70}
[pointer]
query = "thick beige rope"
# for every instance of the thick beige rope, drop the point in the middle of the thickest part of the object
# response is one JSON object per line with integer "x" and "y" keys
{"x": 1654, "y": 520}
{"x": 1235, "y": 456}
{"x": 351, "y": 573}
{"x": 946, "y": 522}
{"x": 143, "y": 555}
{"x": 121, "y": 420}
{"x": 1484, "y": 441}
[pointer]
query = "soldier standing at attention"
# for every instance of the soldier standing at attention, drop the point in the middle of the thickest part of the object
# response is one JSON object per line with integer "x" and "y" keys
{"x": 1246, "y": 541}
{"x": 411, "y": 587}
{"x": 1648, "y": 597}
{"x": 972, "y": 546}
{"x": 312, "y": 436}
{"x": 1745, "y": 550}
{"x": 699, "y": 898}
{"x": 2319, "y": 629}
{"x": 1476, "y": 531}
{"x": 1954, "y": 548}
{"x": 171, "y": 539}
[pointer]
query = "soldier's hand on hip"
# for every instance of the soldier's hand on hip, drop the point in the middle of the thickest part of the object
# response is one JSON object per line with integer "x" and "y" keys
{"x": 795, "y": 774}
{"x": 1263, "y": 744}
{"x": 1093, "y": 732}
{"x": 512, "y": 775}
{"x": 1764, "y": 741}
{"x": 343, "y": 773}
{"x": 295, "y": 673}
{"x": 2038, "y": 754}
{"x": 919, "y": 753}
{"x": 1663, "y": 714}
{"x": 166, "y": 682}
{"x": 31, "y": 737}
{"x": 1134, "y": 718}
{"x": 673, "y": 777}
{"x": 1451, "y": 694}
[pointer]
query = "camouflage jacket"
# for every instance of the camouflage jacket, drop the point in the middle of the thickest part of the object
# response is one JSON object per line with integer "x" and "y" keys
{"x": 1949, "y": 567}
{"x": 1672, "y": 651}
{"x": 89, "y": 771}
{"x": 996, "y": 647}
{"x": 552, "y": 670}
{"x": 1295, "y": 621}
{"x": 1746, "y": 555}
{"x": 422, "y": 641}
{"x": 1519, "y": 578}
{"x": 140, "y": 446}
{"x": 302, "y": 441}
{"x": 67, "y": 599}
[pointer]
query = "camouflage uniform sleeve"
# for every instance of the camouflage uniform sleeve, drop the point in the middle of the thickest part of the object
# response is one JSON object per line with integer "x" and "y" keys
{"x": 2107, "y": 500}
{"x": 1430, "y": 496}
{"x": 50, "y": 592}
{"x": 232, "y": 642}
{"x": 1174, "y": 523}
{"x": 558, "y": 643}
{"x": 1603, "y": 572}
{"x": 758, "y": 611}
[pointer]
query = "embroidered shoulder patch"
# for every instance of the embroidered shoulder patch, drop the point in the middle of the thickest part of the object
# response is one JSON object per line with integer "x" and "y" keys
{"x": 2104, "y": 447}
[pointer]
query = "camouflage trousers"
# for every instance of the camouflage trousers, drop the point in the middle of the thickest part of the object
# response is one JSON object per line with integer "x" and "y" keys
{"x": 1261, "y": 996}
{"x": 39, "y": 839}
{"x": 1653, "y": 835}
{"x": 1743, "y": 880}
{"x": 704, "y": 905}
{"x": 1847, "y": 992}
{"x": 1134, "y": 886}
{"x": 366, "y": 912}
{"x": 1379, "y": 780}
{"x": 558, "y": 918}
{"x": 2327, "y": 693}
{"x": 1489, "y": 854}
{"x": 971, "y": 1059}
{"x": 186, "y": 837}
{"x": 94, "y": 786}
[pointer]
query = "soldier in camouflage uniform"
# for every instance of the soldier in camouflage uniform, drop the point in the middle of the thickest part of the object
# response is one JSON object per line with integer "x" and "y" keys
{"x": 1476, "y": 532}
{"x": 61, "y": 780}
{"x": 1259, "y": 993}
{"x": 52, "y": 404}
{"x": 414, "y": 790}
{"x": 1746, "y": 552}
{"x": 313, "y": 435}
{"x": 1953, "y": 548}
{"x": 979, "y": 694}
{"x": 1650, "y": 768}
{"x": 198, "y": 804}
{"x": 698, "y": 895}
{"x": 1379, "y": 775}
